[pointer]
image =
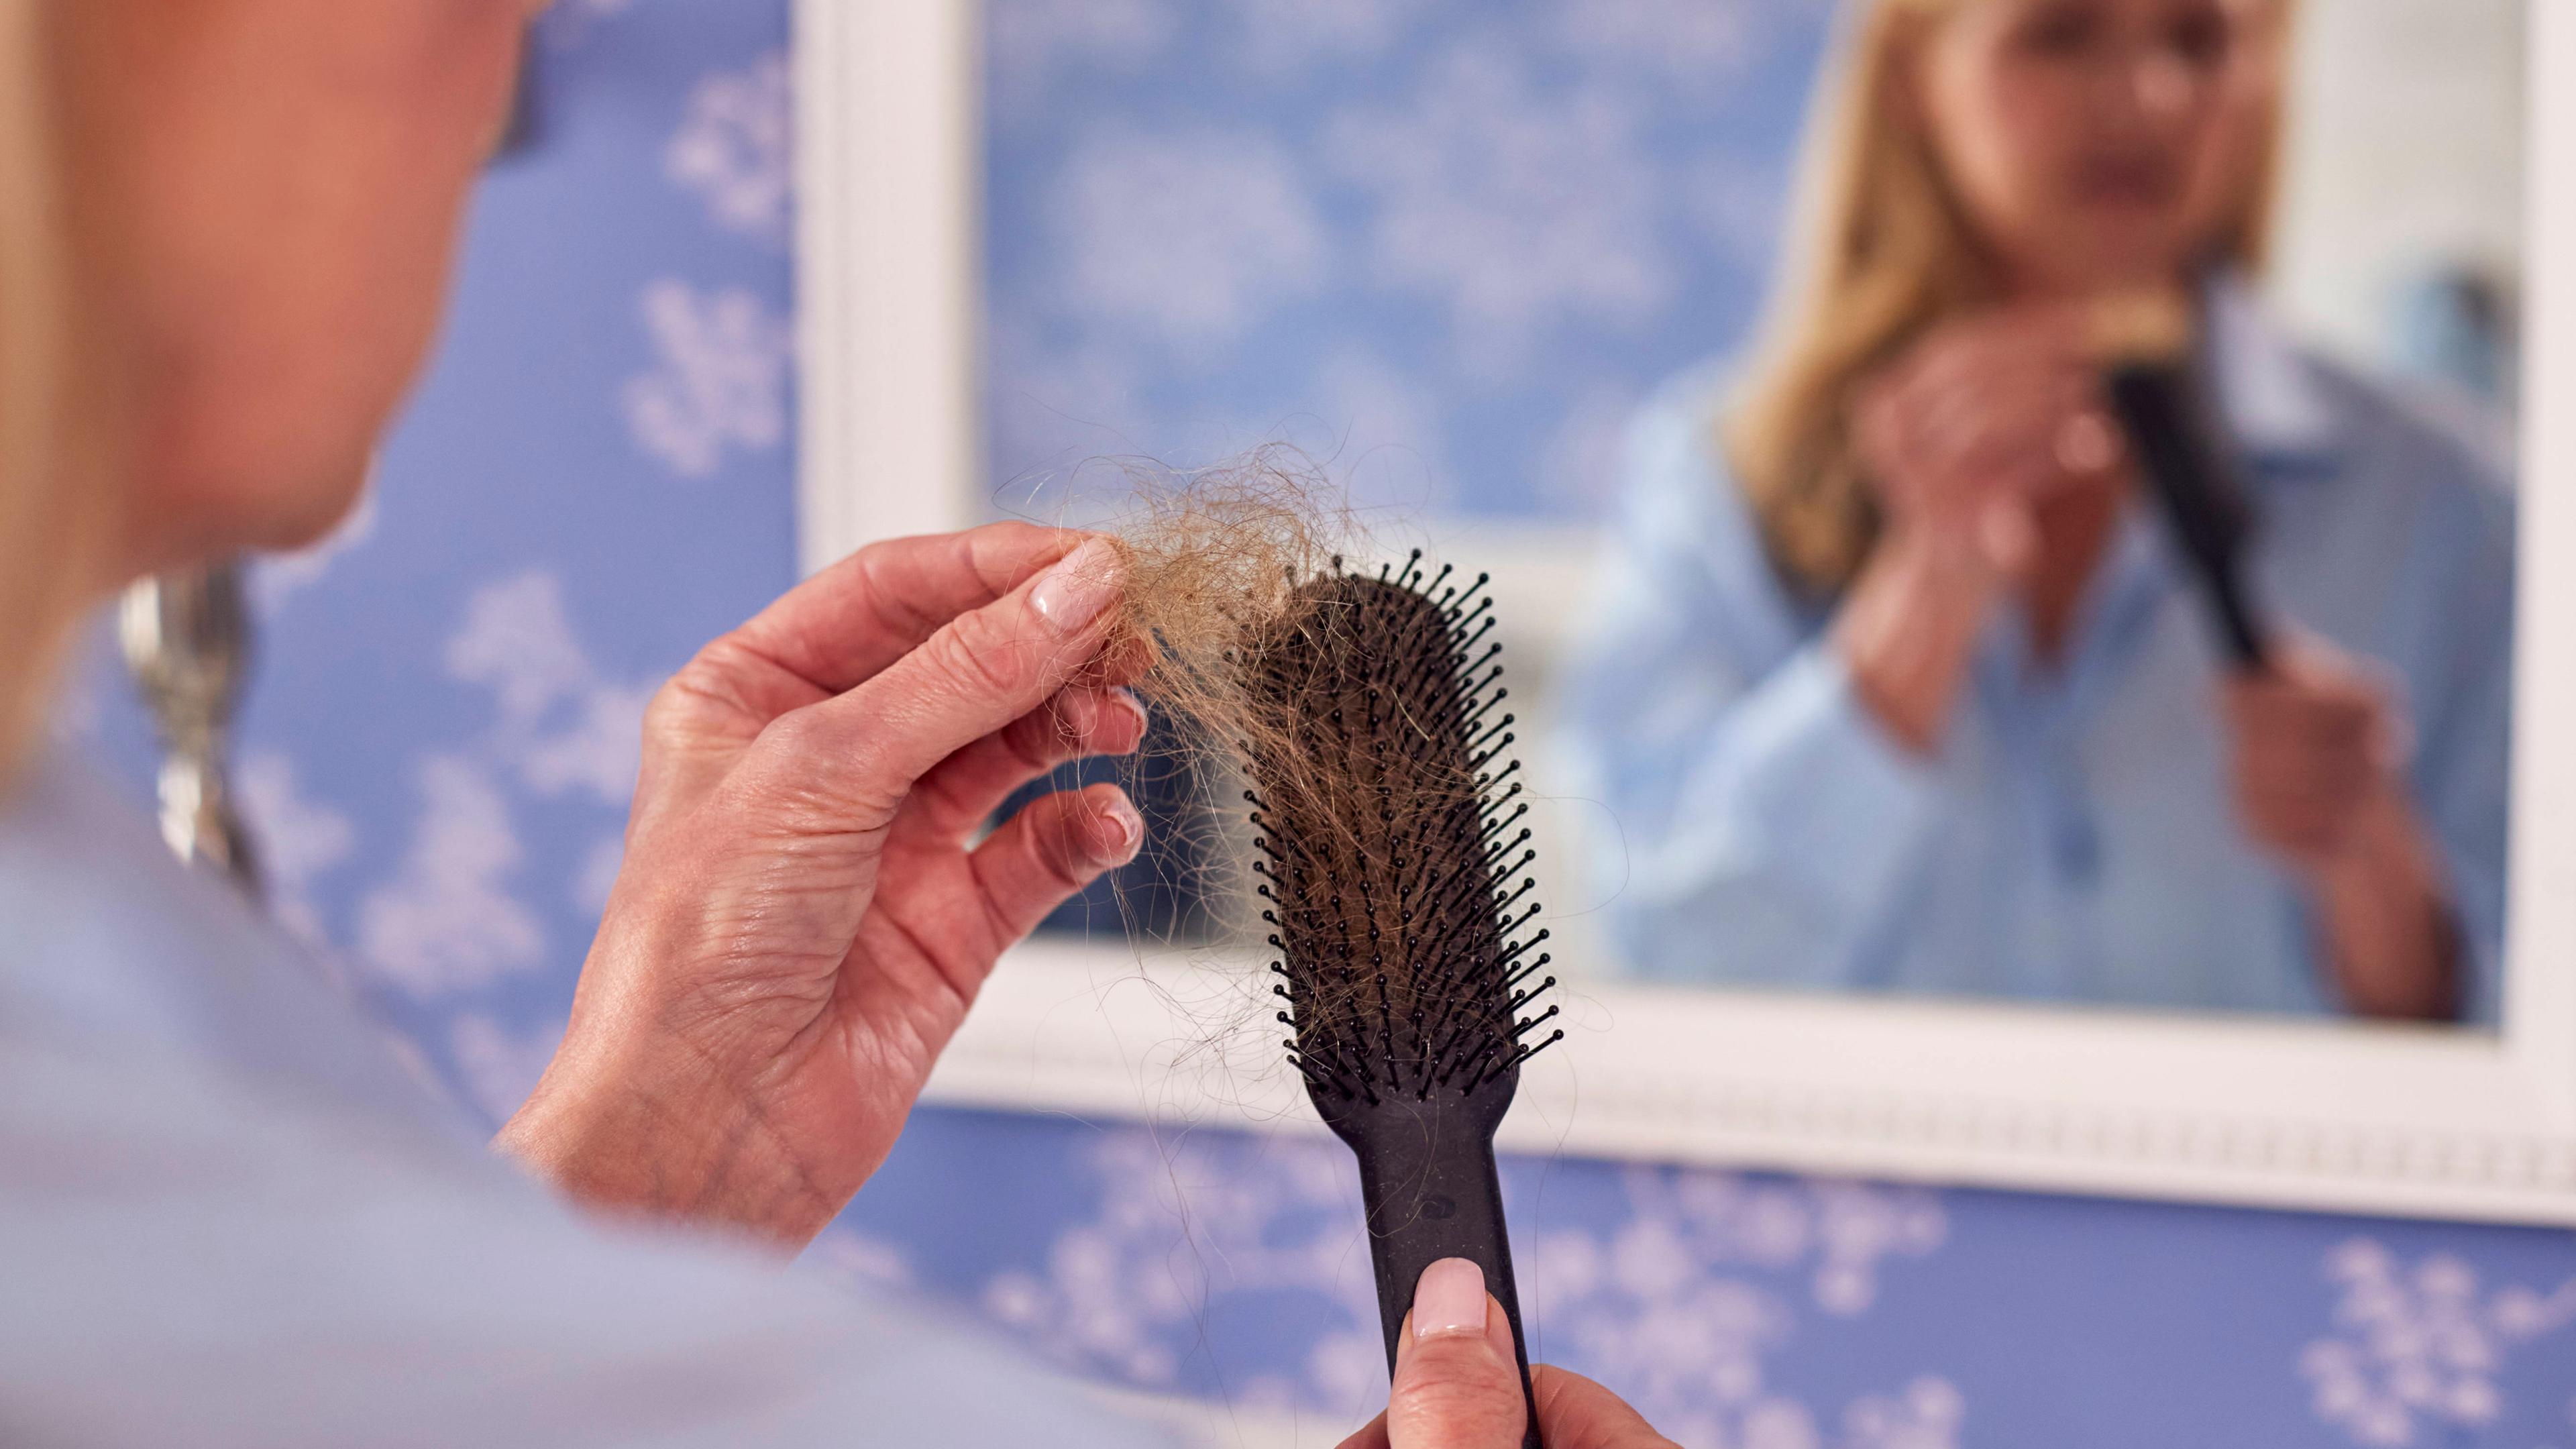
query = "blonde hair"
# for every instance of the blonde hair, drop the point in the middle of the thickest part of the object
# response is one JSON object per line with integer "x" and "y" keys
{"x": 1881, "y": 250}
{"x": 46, "y": 526}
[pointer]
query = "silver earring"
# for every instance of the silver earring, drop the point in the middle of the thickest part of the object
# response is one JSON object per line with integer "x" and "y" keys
{"x": 187, "y": 639}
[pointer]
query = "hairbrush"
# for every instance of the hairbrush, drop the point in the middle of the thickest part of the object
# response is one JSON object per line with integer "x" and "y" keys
{"x": 1394, "y": 870}
{"x": 2164, "y": 409}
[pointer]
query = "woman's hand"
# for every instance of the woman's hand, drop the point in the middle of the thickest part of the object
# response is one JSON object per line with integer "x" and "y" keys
{"x": 2316, "y": 764}
{"x": 1975, "y": 424}
{"x": 2315, "y": 746}
{"x": 1458, "y": 1383}
{"x": 805, "y": 913}
{"x": 1964, "y": 437}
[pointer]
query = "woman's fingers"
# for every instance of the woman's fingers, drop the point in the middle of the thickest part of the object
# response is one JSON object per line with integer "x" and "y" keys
{"x": 841, "y": 626}
{"x": 825, "y": 635}
{"x": 1371, "y": 1437}
{"x": 2001, "y": 405}
{"x": 1573, "y": 1413}
{"x": 2315, "y": 742}
{"x": 1576, "y": 1413}
{"x": 857, "y": 755}
{"x": 1054, "y": 846}
{"x": 863, "y": 613}
{"x": 956, "y": 798}
{"x": 2019, "y": 412}
{"x": 1457, "y": 1383}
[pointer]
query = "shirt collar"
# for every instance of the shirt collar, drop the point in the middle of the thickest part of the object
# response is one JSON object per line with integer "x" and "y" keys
{"x": 2268, "y": 389}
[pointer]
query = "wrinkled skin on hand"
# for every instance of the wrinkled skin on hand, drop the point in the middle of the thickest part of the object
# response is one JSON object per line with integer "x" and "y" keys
{"x": 805, "y": 911}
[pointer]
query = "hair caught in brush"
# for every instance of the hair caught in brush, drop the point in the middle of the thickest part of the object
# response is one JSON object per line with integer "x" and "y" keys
{"x": 1395, "y": 866}
{"x": 1367, "y": 711}
{"x": 1235, "y": 575}
{"x": 1390, "y": 819}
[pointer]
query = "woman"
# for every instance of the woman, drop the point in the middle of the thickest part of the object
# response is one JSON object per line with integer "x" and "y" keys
{"x": 225, "y": 1217}
{"x": 1902, "y": 687}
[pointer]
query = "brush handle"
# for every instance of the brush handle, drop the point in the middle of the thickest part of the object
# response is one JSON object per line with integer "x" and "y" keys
{"x": 2160, "y": 410}
{"x": 1428, "y": 1181}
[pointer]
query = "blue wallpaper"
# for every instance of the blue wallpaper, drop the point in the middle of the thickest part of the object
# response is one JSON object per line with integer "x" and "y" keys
{"x": 598, "y": 476}
{"x": 1429, "y": 242}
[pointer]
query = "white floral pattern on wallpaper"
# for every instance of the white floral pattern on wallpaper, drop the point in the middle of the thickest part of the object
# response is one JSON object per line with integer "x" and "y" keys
{"x": 454, "y": 876}
{"x": 719, "y": 379}
{"x": 1681, "y": 1296}
{"x": 1284, "y": 42}
{"x": 448, "y": 922}
{"x": 1228, "y": 206}
{"x": 1518, "y": 210}
{"x": 736, "y": 150}
{"x": 1667, "y": 1296}
{"x": 1028, "y": 48}
{"x": 2420, "y": 1348}
{"x": 451, "y": 920}
{"x": 1189, "y": 238}
{"x": 300, "y": 839}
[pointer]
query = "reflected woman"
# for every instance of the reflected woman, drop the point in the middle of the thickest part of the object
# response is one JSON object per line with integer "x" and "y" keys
{"x": 1901, "y": 685}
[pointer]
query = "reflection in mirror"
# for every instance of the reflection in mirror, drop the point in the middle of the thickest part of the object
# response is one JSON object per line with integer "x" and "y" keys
{"x": 2074, "y": 566}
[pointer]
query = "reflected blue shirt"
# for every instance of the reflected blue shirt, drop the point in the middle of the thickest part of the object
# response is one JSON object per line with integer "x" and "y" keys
{"x": 2074, "y": 839}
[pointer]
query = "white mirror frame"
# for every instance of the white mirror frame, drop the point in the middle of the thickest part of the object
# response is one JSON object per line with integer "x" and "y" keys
{"x": 2419, "y": 1121}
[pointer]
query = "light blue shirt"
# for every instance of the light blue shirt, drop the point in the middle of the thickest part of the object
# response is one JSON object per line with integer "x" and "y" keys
{"x": 2075, "y": 839}
{"x": 228, "y": 1218}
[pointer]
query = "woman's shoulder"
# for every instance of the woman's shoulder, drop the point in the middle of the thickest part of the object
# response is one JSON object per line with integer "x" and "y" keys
{"x": 1678, "y": 494}
{"x": 1673, "y": 449}
{"x": 2438, "y": 444}
{"x": 1683, "y": 531}
{"x": 1678, "y": 416}
{"x": 2314, "y": 412}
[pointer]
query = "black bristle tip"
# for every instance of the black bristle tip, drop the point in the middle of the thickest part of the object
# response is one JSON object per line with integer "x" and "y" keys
{"x": 1382, "y": 786}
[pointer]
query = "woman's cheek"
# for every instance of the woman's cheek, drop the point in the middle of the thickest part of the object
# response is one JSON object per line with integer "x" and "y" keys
{"x": 1989, "y": 121}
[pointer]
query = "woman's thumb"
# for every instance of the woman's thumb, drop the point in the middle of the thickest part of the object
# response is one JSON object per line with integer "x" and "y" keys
{"x": 1457, "y": 1380}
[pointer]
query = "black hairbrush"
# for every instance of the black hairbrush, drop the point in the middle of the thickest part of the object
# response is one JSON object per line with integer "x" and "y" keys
{"x": 2145, "y": 342}
{"x": 1395, "y": 881}
{"x": 2169, "y": 425}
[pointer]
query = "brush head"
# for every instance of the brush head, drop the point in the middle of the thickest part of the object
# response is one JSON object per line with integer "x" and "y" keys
{"x": 1394, "y": 861}
{"x": 2150, "y": 326}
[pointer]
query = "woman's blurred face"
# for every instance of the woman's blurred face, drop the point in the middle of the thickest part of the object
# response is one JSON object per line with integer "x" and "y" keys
{"x": 2098, "y": 144}
{"x": 265, "y": 196}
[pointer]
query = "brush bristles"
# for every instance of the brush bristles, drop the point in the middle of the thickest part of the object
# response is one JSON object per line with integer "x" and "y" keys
{"x": 1394, "y": 862}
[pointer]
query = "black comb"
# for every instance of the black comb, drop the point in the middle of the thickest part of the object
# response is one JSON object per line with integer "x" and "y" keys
{"x": 1395, "y": 871}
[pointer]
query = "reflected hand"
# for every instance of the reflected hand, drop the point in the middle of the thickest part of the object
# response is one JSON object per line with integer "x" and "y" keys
{"x": 2315, "y": 746}
{"x": 804, "y": 914}
{"x": 1963, "y": 437}
{"x": 2317, "y": 767}
{"x": 1975, "y": 423}
{"x": 1458, "y": 1384}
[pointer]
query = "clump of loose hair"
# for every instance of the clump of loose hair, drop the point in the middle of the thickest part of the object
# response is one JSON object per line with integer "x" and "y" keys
{"x": 1211, "y": 557}
{"x": 1362, "y": 709}
{"x": 1214, "y": 555}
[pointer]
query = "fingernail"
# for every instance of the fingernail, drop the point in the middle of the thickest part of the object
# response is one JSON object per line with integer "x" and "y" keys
{"x": 1135, "y": 710}
{"x": 1449, "y": 1299}
{"x": 1078, "y": 587}
{"x": 1130, "y": 827}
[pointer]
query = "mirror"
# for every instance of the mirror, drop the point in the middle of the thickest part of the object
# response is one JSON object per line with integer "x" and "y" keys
{"x": 1513, "y": 264}
{"x": 2149, "y": 833}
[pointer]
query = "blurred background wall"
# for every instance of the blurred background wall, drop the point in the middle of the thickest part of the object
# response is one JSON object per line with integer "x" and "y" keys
{"x": 1450, "y": 247}
{"x": 598, "y": 477}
